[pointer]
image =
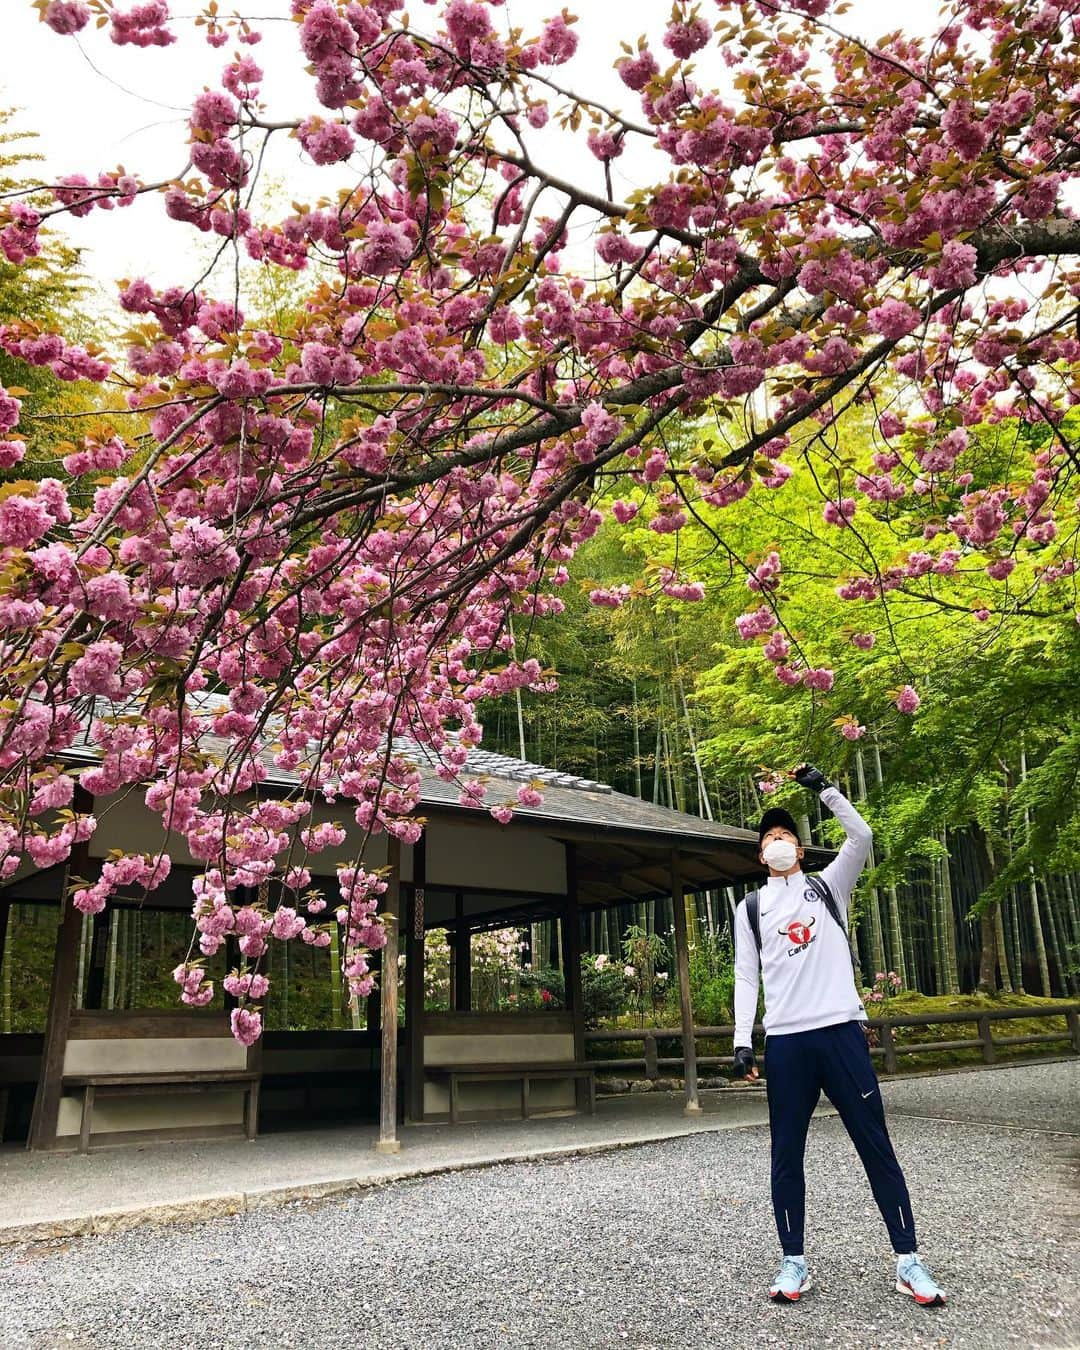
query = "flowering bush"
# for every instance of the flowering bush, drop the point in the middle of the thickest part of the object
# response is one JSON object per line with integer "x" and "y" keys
{"x": 643, "y": 952}
{"x": 887, "y": 984}
{"x": 497, "y": 971}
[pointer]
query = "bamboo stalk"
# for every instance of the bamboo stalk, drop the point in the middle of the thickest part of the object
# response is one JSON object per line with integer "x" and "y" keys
{"x": 1018, "y": 950}
{"x": 80, "y": 977}
{"x": 5, "y": 972}
{"x": 114, "y": 937}
{"x": 1055, "y": 946}
{"x": 335, "y": 976}
{"x": 935, "y": 921}
{"x": 948, "y": 920}
{"x": 1033, "y": 891}
{"x": 637, "y": 736}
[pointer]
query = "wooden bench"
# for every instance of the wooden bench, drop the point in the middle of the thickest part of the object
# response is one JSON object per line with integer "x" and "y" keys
{"x": 91, "y": 1085}
{"x": 508, "y": 1073}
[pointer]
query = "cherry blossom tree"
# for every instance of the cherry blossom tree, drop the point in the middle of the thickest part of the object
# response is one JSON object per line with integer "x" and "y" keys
{"x": 315, "y": 539}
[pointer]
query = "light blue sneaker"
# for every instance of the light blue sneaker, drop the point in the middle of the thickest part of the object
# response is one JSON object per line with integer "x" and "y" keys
{"x": 791, "y": 1283}
{"x": 913, "y": 1279}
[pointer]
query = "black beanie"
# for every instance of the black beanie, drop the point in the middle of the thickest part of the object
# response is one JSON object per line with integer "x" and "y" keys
{"x": 775, "y": 817}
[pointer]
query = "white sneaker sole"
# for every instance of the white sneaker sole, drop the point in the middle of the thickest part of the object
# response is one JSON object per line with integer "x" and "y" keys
{"x": 938, "y": 1301}
{"x": 778, "y": 1295}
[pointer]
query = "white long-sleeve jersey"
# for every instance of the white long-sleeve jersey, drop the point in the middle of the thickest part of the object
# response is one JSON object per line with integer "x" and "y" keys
{"x": 805, "y": 961}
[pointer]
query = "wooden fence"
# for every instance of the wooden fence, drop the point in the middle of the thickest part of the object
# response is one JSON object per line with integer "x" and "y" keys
{"x": 887, "y": 1048}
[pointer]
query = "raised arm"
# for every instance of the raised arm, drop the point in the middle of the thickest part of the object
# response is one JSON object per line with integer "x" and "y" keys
{"x": 843, "y": 872}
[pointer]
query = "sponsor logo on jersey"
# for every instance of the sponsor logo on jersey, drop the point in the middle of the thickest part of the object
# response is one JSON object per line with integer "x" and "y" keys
{"x": 798, "y": 934}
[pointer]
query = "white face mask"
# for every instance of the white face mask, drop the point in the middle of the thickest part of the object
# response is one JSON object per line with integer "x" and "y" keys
{"x": 780, "y": 854}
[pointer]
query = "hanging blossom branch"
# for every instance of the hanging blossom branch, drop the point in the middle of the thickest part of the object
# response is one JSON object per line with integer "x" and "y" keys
{"x": 290, "y": 549}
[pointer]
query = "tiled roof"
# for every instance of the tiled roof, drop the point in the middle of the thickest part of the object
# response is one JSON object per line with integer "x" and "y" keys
{"x": 568, "y": 799}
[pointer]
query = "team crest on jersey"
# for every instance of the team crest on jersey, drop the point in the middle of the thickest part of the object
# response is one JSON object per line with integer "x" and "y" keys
{"x": 799, "y": 935}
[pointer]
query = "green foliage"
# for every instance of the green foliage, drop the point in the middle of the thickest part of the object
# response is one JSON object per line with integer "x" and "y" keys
{"x": 644, "y": 953}
{"x": 604, "y": 993}
{"x": 712, "y": 981}
{"x": 48, "y": 292}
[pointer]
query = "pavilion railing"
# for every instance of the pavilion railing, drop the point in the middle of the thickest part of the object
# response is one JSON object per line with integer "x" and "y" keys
{"x": 888, "y": 1048}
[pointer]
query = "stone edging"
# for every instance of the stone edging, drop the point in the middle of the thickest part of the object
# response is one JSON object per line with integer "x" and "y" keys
{"x": 240, "y": 1202}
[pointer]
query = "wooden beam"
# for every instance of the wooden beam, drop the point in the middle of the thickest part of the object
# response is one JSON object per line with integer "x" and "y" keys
{"x": 571, "y": 947}
{"x": 388, "y": 1141}
{"x": 414, "y": 985}
{"x": 462, "y": 966}
{"x": 692, "y": 1105}
{"x": 46, "y": 1111}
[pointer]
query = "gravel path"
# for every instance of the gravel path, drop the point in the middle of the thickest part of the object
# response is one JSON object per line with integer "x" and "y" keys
{"x": 1044, "y": 1095}
{"x": 658, "y": 1246}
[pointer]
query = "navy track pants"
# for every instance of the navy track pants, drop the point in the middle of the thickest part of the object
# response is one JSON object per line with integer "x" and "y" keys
{"x": 798, "y": 1067}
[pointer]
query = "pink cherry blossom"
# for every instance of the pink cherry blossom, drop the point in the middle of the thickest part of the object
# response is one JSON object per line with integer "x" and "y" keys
{"x": 246, "y": 1025}
{"x": 66, "y": 16}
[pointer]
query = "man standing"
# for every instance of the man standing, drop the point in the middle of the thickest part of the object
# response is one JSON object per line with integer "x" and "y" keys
{"x": 794, "y": 931}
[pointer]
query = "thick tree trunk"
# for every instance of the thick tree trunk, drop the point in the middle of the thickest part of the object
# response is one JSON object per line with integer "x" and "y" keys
{"x": 1004, "y": 969}
{"x": 988, "y": 952}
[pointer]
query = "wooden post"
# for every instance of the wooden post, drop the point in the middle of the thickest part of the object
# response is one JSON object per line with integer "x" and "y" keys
{"x": 462, "y": 965}
{"x": 692, "y": 1106}
{"x": 46, "y": 1113}
{"x": 414, "y": 987}
{"x": 571, "y": 954}
{"x": 652, "y": 1071}
{"x": 388, "y": 1141}
{"x": 1073, "y": 1021}
{"x": 888, "y": 1043}
{"x": 988, "y": 1053}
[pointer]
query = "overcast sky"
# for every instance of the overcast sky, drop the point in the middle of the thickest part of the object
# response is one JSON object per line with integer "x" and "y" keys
{"x": 96, "y": 105}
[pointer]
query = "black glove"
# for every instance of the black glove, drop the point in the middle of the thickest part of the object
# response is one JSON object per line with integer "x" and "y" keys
{"x": 810, "y": 778}
{"x": 744, "y": 1060}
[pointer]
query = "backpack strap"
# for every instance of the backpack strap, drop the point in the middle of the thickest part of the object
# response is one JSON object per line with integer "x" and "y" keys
{"x": 753, "y": 915}
{"x": 821, "y": 888}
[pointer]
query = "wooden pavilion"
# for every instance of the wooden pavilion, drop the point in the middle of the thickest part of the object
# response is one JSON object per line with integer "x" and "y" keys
{"x": 137, "y": 1074}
